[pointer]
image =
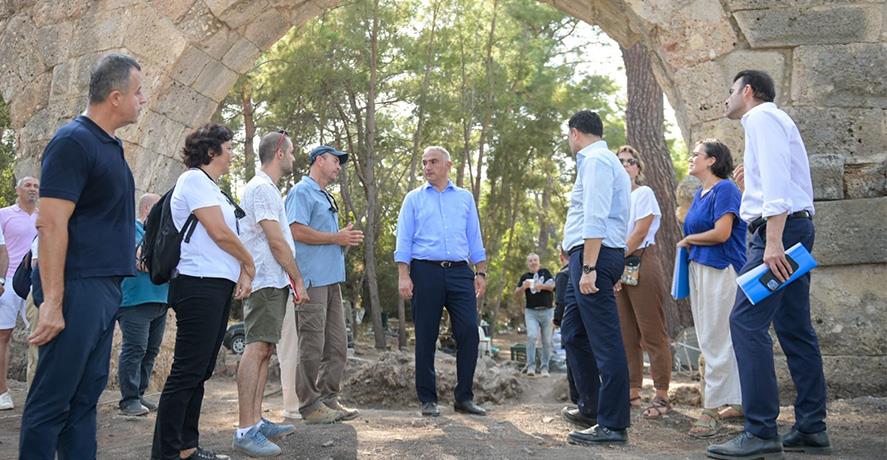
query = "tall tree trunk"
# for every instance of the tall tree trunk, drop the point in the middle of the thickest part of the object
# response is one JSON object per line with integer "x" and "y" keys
{"x": 371, "y": 187}
{"x": 645, "y": 118}
{"x": 544, "y": 221}
{"x": 490, "y": 102}
{"x": 249, "y": 131}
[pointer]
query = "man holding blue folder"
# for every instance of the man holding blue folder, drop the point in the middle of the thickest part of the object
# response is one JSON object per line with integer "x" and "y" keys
{"x": 778, "y": 206}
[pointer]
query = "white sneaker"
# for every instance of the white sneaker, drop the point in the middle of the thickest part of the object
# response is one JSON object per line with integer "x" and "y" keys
{"x": 545, "y": 373}
{"x": 531, "y": 372}
{"x": 6, "y": 402}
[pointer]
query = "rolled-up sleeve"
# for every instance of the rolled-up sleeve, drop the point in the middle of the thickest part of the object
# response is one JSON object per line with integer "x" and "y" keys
{"x": 406, "y": 228}
{"x": 771, "y": 142}
{"x": 476, "y": 251}
{"x": 597, "y": 180}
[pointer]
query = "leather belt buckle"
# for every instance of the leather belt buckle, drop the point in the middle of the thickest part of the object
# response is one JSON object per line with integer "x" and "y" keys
{"x": 446, "y": 264}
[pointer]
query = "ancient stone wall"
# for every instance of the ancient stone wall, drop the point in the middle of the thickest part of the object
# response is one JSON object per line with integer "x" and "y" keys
{"x": 828, "y": 57}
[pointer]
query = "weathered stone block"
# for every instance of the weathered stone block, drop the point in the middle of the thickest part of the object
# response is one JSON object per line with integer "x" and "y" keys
{"x": 686, "y": 33}
{"x": 190, "y": 64}
{"x": 184, "y": 104}
{"x": 242, "y": 12}
{"x": 866, "y": 180}
{"x": 840, "y": 75}
{"x": 215, "y": 81}
{"x": 704, "y": 87}
{"x": 242, "y": 56}
{"x": 199, "y": 24}
{"x": 837, "y": 24}
{"x": 145, "y": 26}
{"x": 53, "y": 41}
{"x": 265, "y": 30}
{"x": 729, "y": 132}
{"x": 736, "y": 5}
{"x": 845, "y": 377}
{"x": 33, "y": 98}
{"x": 860, "y": 135}
{"x": 827, "y": 172}
{"x": 98, "y": 31}
{"x": 851, "y": 232}
{"x": 23, "y": 64}
{"x": 847, "y": 309}
{"x": 47, "y": 12}
{"x": 173, "y": 9}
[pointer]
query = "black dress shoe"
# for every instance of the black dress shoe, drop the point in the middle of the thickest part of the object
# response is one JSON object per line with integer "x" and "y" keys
{"x": 430, "y": 409}
{"x": 576, "y": 418}
{"x": 597, "y": 435}
{"x": 747, "y": 446}
{"x": 469, "y": 407}
{"x": 809, "y": 443}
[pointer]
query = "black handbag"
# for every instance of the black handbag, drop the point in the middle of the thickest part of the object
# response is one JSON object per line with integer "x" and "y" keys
{"x": 21, "y": 279}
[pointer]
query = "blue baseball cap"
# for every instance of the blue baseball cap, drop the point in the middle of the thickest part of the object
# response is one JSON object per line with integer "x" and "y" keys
{"x": 320, "y": 150}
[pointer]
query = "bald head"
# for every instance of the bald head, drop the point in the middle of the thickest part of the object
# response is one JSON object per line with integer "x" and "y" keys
{"x": 146, "y": 202}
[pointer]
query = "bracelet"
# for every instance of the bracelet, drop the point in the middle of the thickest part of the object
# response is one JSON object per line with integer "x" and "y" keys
{"x": 484, "y": 274}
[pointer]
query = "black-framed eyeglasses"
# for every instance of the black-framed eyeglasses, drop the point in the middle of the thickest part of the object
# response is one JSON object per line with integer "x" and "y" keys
{"x": 629, "y": 161}
{"x": 334, "y": 207}
{"x": 696, "y": 154}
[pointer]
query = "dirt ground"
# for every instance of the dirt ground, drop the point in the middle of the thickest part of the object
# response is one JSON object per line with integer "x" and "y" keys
{"x": 524, "y": 424}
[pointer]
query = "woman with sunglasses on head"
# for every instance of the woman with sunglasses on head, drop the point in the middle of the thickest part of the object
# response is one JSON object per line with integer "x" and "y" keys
{"x": 640, "y": 297}
{"x": 716, "y": 242}
{"x": 213, "y": 266}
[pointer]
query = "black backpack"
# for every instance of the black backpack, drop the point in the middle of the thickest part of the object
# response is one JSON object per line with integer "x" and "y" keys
{"x": 162, "y": 244}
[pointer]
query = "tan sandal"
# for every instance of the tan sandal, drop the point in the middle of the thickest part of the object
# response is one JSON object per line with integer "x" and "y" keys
{"x": 732, "y": 411}
{"x": 707, "y": 425}
{"x": 658, "y": 407}
{"x": 635, "y": 402}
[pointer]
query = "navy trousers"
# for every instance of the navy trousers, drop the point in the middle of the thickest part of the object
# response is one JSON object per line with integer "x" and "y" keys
{"x": 591, "y": 332}
{"x": 433, "y": 288}
{"x": 72, "y": 370}
{"x": 789, "y": 312}
{"x": 142, "y": 329}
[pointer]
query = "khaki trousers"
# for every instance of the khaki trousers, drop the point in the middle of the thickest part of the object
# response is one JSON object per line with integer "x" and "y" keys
{"x": 288, "y": 356}
{"x": 32, "y": 313}
{"x": 323, "y": 347}
{"x": 643, "y": 324}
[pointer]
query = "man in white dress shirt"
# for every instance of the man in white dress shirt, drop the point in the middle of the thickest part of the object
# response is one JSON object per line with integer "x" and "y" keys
{"x": 778, "y": 206}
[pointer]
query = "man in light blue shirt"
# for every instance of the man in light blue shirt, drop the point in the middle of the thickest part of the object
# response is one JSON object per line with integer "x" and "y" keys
{"x": 438, "y": 237}
{"x": 320, "y": 253}
{"x": 594, "y": 236}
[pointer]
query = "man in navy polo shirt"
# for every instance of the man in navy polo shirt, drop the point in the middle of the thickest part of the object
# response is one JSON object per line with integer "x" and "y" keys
{"x": 86, "y": 223}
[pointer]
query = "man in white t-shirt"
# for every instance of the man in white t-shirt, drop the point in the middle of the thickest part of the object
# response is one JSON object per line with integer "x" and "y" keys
{"x": 266, "y": 236}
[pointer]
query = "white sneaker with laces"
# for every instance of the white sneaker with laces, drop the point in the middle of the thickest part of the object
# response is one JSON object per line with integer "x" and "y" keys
{"x": 6, "y": 402}
{"x": 545, "y": 373}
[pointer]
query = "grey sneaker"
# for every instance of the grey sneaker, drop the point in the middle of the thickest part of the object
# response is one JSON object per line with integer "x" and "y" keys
{"x": 255, "y": 444}
{"x": 152, "y": 406}
{"x": 345, "y": 413}
{"x": 133, "y": 408}
{"x": 6, "y": 402}
{"x": 531, "y": 372}
{"x": 275, "y": 431}
{"x": 545, "y": 373}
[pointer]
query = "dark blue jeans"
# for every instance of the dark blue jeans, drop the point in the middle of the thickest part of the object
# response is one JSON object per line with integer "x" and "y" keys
{"x": 60, "y": 412}
{"x": 590, "y": 329}
{"x": 789, "y": 312}
{"x": 433, "y": 288}
{"x": 142, "y": 329}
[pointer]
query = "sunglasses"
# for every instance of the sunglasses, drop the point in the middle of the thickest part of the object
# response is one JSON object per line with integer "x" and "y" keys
{"x": 628, "y": 161}
{"x": 334, "y": 208}
{"x": 280, "y": 139}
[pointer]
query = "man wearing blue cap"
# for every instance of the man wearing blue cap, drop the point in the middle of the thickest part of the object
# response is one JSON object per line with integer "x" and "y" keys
{"x": 320, "y": 323}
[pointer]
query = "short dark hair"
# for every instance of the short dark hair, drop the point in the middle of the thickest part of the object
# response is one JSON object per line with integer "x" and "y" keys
{"x": 204, "y": 144}
{"x": 716, "y": 149}
{"x": 110, "y": 73}
{"x": 761, "y": 84}
{"x": 270, "y": 143}
{"x": 587, "y": 122}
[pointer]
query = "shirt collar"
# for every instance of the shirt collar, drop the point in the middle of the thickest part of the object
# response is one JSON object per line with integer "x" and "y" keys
{"x": 311, "y": 182}
{"x": 264, "y": 176}
{"x": 97, "y": 131}
{"x": 760, "y": 107}
{"x": 601, "y": 144}
{"x": 449, "y": 186}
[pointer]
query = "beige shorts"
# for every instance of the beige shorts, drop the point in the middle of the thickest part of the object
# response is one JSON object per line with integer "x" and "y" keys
{"x": 263, "y": 314}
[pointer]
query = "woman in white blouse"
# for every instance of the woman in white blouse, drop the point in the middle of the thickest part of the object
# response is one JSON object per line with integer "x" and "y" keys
{"x": 640, "y": 306}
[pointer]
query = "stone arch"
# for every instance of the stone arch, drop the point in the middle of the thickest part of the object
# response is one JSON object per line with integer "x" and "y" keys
{"x": 827, "y": 57}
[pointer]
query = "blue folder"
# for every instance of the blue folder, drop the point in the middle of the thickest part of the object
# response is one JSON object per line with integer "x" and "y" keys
{"x": 756, "y": 291}
{"x": 680, "y": 281}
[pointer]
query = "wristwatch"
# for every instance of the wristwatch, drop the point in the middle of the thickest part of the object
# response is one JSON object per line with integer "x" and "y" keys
{"x": 2, "y": 281}
{"x": 484, "y": 274}
{"x": 586, "y": 269}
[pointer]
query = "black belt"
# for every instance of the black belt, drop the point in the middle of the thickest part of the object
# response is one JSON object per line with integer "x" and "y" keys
{"x": 760, "y": 221}
{"x": 443, "y": 263}
{"x": 582, "y": 246}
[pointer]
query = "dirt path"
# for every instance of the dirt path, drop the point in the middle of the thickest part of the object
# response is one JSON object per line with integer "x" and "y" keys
{"x": 527, "y": 428}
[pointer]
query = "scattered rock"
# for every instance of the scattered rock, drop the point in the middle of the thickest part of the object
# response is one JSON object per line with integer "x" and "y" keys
{"x": 327, "y": 444}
